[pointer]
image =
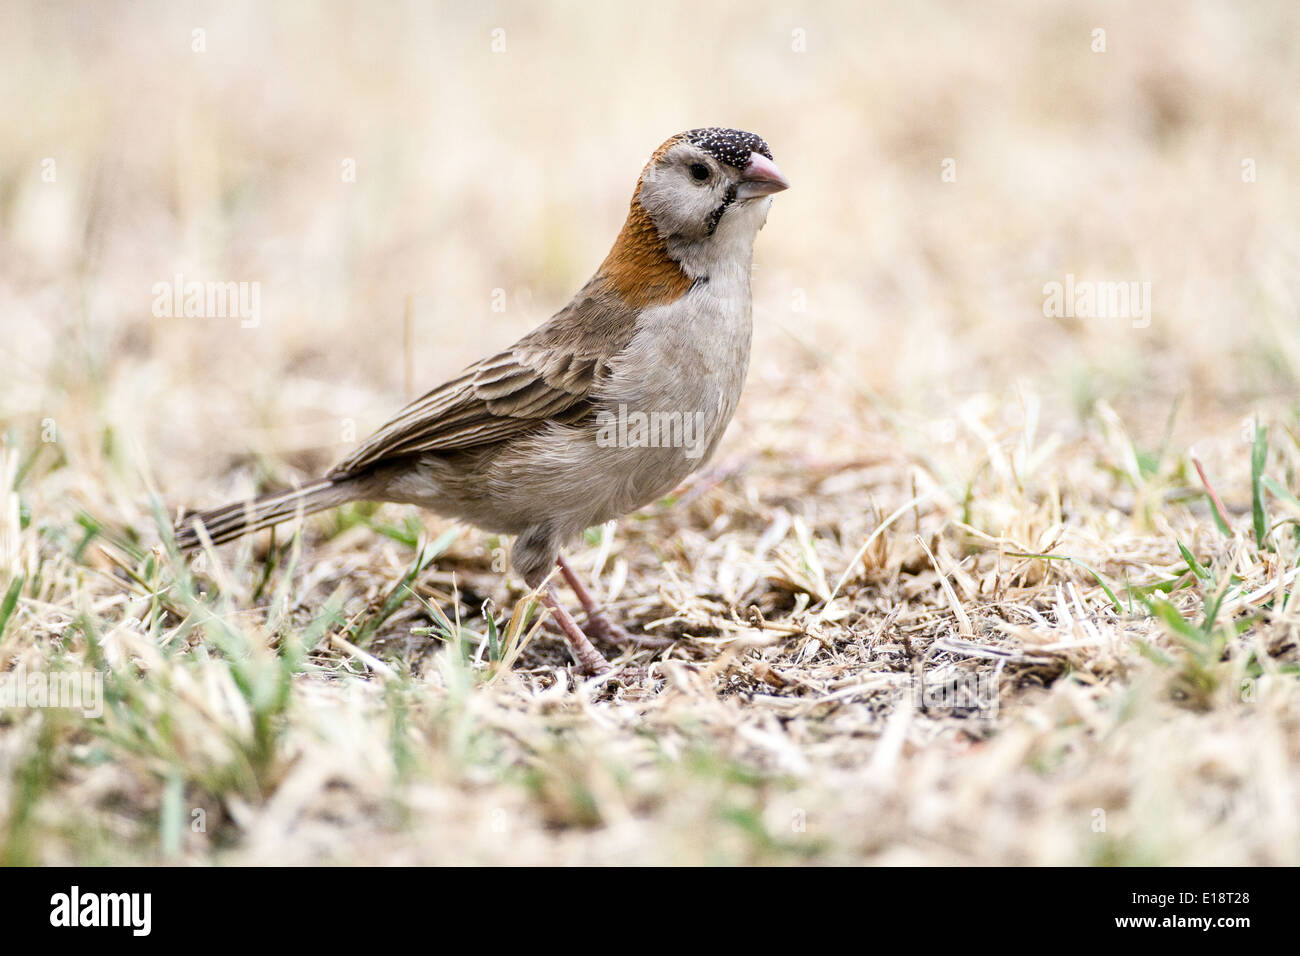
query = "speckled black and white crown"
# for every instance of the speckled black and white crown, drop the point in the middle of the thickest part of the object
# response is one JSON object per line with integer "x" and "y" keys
{"x": 731, "y": 146}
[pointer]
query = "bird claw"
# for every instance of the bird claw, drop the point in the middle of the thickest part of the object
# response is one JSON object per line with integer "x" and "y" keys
{"x": 600, "y": 627}
{"x": 626, "y": 674}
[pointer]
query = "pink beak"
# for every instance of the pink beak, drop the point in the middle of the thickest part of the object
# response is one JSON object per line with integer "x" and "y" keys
{"x": 760, "y": 177}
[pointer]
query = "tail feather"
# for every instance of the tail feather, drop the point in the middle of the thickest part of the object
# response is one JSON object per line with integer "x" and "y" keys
{"x": 244, "y": 517}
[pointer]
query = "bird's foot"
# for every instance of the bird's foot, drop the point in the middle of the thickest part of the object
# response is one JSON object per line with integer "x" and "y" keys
{"x": 600, "y": 627}
{"x": 596, "y": 667}
{"x": 590, "y": 661}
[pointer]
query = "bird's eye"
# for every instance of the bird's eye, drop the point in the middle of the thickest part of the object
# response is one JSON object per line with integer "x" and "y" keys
{"x": 699, "y": 172}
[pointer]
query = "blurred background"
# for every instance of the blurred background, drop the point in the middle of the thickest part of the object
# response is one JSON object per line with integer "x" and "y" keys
{"x": 412, "y": 185}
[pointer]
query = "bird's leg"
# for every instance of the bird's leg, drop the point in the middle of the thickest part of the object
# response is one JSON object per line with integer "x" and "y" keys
{"x": 589, "y": 659}
{"x": 599, "y": 624}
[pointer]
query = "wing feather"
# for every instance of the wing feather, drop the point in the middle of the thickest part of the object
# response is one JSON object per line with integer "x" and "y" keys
{"x": 550, "y": 374}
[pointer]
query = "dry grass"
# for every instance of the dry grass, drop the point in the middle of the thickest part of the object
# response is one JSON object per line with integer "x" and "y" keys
{"x": 874, "y": 662}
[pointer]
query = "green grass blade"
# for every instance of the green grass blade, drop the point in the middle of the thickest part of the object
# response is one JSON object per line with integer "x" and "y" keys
{"x": 398, "y": 594}
{"x": 1119, "y": 608}
{"x": 10, "y": 602}
{"x": 1193, "y": 565}
{"x": 1258, "y": 456}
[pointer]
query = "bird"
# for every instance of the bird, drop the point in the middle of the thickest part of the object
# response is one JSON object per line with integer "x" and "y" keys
{"x": 605, "y": 407}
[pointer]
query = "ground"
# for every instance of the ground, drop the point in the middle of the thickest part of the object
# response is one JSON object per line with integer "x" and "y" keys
{"x": 973, "y": 579}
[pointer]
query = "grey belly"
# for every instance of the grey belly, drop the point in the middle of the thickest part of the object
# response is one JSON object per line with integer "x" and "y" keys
{"x": 563, "y": 476}
{"x": 571, "y": 477}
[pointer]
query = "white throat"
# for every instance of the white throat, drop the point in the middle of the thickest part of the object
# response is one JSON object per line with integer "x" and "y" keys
{"x": 728, "y": 254}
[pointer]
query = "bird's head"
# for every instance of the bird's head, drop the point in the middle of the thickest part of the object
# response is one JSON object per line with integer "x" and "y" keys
{"x": 698, "y": 179}
{"x": 698, "y": 205}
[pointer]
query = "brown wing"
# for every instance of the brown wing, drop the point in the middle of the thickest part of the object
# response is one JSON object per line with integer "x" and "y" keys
{"x": 548, "y": 375}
